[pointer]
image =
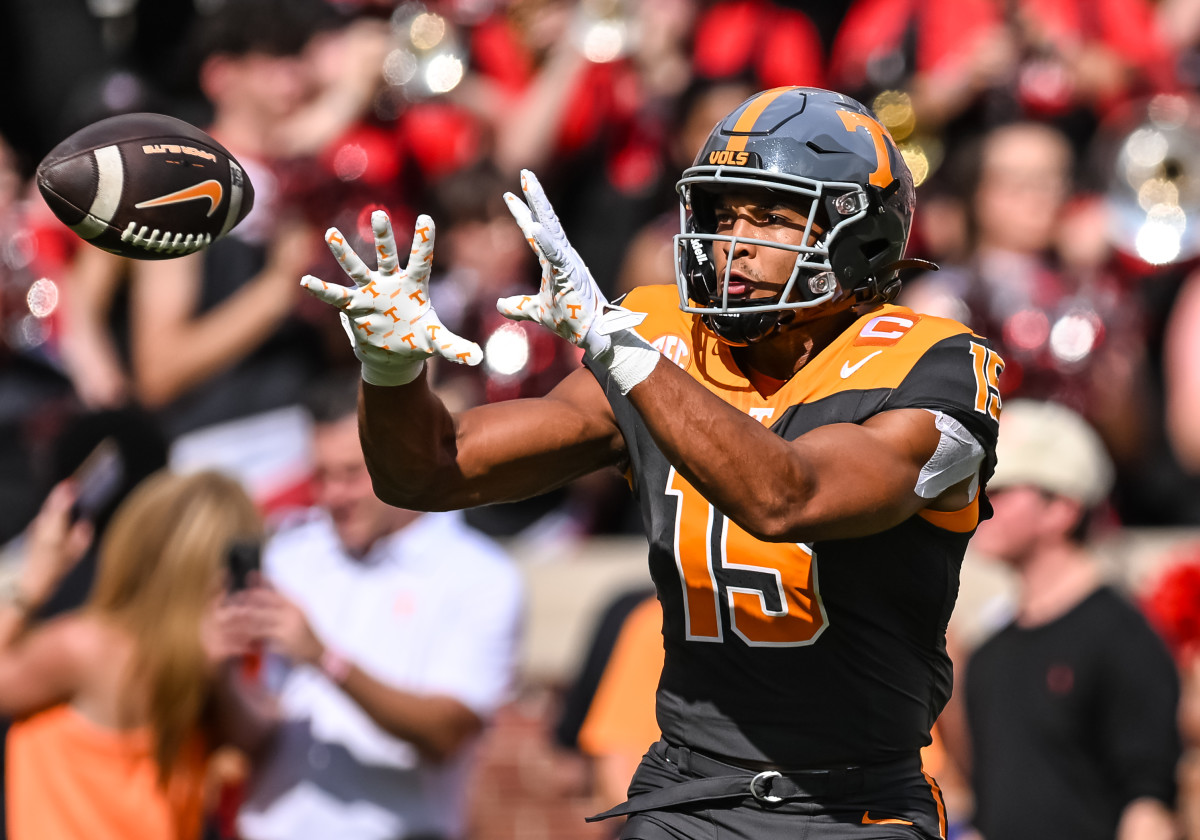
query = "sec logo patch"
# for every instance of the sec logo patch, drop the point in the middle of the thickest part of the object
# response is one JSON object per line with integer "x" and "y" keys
{"x": 674, "y": 348}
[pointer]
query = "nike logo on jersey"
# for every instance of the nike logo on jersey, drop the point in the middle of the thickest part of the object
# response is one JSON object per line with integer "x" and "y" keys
{"x": 866, "y": 820}
{"x": 209, "y": 189}
{"x": 849, "y": 370}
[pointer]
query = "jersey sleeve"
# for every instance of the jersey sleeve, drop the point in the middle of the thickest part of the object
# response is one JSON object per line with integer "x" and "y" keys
{"x": 958, "y": 375}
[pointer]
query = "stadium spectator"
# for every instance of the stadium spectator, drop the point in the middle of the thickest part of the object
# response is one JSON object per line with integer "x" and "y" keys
{"x": 35, "y": 396}
{"x": 1172, "y": 602}
{"x": 395, "y": 634}
{"x": 583, "y": 93}
{"x": 1072, "y": 706}
{"x": 608, "y": 710}
{"x": 173, "y": 335}
{"x": 1181, "y": 378}
{"x": 974, "y": 64}
{"x": 1065, "y": 335}
{"x": 120, "y": 703}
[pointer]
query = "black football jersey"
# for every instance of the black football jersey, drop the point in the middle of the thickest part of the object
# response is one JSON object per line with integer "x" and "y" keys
{"x": 807, "y": 655}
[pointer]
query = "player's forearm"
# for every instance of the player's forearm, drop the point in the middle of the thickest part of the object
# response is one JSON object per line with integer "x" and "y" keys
{"x": 423, "y": 458}
{"x": 408, "y": 438}
{"x": 838, "y": 481}
{"x": 751, "y": 475}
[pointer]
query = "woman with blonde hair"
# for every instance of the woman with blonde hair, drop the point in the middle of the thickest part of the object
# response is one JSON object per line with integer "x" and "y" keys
{"x": 120, "y": 703}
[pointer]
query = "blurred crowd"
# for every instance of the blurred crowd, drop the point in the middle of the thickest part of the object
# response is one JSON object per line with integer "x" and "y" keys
{"x": 1055, "y": 144}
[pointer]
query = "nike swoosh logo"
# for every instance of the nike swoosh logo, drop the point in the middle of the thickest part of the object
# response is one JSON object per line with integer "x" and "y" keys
{"x": 866, "y": 820}
{"x": 209, "y": 189}
{"x": 849, "y": 369}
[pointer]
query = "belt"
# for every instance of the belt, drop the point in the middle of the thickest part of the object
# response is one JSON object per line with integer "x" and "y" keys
{"x": 720, "y": 780}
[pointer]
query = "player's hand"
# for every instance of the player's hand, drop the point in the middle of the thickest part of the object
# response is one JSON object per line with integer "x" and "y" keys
{"x": 387, "y": 315}
{"x": 569, "y": 301}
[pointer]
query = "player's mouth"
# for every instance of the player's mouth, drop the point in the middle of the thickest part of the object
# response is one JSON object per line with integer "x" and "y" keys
{"x": 738, "y": 286}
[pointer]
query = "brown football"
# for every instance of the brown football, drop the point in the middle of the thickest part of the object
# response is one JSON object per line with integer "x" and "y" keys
{"x": 146, "y": 186}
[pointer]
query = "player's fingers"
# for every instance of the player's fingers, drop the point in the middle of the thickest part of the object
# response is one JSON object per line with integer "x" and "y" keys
{"x": 461, "y": 351}
{"x": 331, "y": 293}
{"x": 453, "y": 347}
{"x": 518, "y": 307}
{"x": 385, "y": 243}
{"x": 420, "y": 258}
{"x": 349, "y": 261}
{"x": 525, "y": 221}
{"x": 538, "y": 203}
{"x": 349, "y": 330}
{"x": 548, "y": 247}
{"x": 533, "y": 235}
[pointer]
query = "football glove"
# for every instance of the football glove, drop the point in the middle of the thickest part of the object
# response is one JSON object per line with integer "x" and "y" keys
{"x": 569, "y": 302}
{"x": 388, "y": 316}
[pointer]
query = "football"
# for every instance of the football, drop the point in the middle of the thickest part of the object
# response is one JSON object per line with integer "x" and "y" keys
{"x": 146, "y": 186}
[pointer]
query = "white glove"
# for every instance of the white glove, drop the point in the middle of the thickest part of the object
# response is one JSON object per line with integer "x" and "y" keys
{"x": 569, "y": 301}
{"x": 388, "y": 317}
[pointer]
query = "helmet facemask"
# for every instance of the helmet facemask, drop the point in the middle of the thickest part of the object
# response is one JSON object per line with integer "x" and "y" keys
{"x": 830, "y": 209}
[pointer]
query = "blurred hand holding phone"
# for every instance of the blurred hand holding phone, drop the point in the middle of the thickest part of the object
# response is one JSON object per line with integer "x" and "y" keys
{"x": 98, "y": 480}
{"x": 243, "y": 564}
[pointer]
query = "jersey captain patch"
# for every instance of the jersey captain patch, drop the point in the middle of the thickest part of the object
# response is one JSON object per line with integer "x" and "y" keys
{"x": 884, "y": 330}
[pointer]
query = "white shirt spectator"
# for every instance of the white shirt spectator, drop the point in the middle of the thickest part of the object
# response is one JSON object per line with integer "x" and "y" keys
{"x": 434, "y": 608}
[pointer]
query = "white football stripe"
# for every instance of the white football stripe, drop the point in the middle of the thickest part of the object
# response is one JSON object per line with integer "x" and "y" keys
{"x": 236, "y": 175}
{"x": 110, "y": 182}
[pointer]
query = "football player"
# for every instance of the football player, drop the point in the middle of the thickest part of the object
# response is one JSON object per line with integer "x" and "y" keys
{"x": 809, "y": 460}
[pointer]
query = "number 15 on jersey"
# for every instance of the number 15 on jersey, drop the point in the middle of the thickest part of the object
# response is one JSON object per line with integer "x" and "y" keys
{"x": 782, "y": 609}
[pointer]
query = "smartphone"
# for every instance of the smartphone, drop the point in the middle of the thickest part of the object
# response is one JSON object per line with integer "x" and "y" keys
{"x": 244, "y": 557}
{"x": 97, "y": 480}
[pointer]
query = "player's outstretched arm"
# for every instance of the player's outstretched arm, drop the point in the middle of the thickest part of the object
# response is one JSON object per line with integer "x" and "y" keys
{"x": 422, "y": 456}
{"x": 838, "y": 481}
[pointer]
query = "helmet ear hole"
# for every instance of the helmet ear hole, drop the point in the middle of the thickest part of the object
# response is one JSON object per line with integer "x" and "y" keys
{"x": 858, "y": 254}
{"x": 849, "y": 264}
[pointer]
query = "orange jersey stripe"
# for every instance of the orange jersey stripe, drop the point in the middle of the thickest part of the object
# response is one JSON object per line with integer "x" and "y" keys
{"x": 960, "y": 521}
{"x": 938, "y": 801}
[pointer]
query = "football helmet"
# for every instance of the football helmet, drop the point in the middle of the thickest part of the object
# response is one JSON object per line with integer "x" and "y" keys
{"x": 832, "y": 160}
